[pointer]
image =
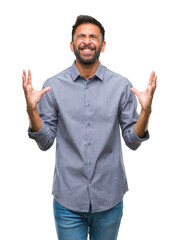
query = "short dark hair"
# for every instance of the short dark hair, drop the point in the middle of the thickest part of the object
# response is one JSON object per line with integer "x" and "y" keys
{"x": 81, "y": 19}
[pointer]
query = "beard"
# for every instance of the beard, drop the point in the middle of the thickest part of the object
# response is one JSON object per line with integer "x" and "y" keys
{"x": 89, "y": 60}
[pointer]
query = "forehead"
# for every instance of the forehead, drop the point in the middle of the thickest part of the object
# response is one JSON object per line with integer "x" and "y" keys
{"x": 88, "y": 28}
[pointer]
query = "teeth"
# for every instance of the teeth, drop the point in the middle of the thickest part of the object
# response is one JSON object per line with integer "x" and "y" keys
{"x": 87, "y": 50}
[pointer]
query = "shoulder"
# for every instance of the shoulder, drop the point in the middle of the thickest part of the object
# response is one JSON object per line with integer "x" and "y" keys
{"x": 56, "y": 83}
{"x": 116, "y": 78}
{"x": 55, "y": 80}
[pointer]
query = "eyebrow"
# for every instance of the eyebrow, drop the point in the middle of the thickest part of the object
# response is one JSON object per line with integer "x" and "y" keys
{"x": 91, "y": 35}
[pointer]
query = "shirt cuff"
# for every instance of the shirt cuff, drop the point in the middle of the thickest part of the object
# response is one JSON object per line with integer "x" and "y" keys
{"x": 38, "y": 135}
{"x": 136, "y": 138}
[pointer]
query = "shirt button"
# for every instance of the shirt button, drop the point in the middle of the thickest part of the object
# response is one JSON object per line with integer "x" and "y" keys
{"x": 89, "y": 124}
{"x": 89, "y": 181}
{"x": 86, "y": 87}
{"x": 89, "y": 163}
{"x": 88, "y": 105}
{"x": 89, "y": 144}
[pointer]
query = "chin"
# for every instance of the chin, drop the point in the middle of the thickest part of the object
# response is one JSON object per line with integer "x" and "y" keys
{"x": 87, "y": 61}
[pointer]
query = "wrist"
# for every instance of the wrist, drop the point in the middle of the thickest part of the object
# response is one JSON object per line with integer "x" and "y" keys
{"x": 146, "y": 111}
{"x": 35, "y": 122}
{"x": 32, "y": 111}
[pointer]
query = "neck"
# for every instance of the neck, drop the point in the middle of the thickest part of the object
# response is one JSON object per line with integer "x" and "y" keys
{"x": 87, "y": 70}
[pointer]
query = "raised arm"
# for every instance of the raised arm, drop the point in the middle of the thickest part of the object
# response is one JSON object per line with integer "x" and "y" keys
{"x": 32, "y": 99}
{"x": 145, "y": 99}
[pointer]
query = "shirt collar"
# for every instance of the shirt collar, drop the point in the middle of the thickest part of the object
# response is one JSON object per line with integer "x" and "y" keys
{"x": 75, "y": 73}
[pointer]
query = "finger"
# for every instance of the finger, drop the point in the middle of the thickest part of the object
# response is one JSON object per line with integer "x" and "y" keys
{"x": 23, "y": 81}
{"x": 45, "y": 90}
{"x": 152, "y": 76}
{"x": 24, "y": 75}
{"x": 24, "y": 78}
{"x": 134, "y": 90}
{"x": 154, "y": 83}
{"x": 29, "y": 77}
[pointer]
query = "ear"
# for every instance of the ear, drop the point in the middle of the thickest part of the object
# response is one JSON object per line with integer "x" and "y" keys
{"x": 71, "y": 46}
{"x": 103, "y": 46}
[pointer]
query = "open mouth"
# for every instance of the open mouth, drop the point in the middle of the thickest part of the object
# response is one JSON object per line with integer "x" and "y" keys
{"x": 87, "y": 50}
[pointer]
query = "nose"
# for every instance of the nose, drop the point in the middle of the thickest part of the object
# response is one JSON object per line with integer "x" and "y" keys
{"x": 87, "y": 40}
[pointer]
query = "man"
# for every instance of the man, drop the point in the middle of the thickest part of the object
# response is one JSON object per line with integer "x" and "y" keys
{"x": 83, "y": 107}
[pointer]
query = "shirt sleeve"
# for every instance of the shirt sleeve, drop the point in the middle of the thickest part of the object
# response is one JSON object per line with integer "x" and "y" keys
{"x": 49, "y": 116}
{"x": 128, "y": 117}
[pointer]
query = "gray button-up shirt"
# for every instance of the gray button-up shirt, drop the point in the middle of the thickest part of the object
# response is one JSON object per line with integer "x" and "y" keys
{"x": 86, "y": 117}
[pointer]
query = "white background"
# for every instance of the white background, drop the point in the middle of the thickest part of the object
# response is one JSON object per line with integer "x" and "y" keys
{"x": 141, "y": 36}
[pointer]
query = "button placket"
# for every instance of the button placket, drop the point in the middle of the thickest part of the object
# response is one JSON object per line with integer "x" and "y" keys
{"x": 88, "y": 126}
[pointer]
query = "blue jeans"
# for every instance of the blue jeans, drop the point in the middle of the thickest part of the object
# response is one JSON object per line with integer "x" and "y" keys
{"x": 72, "y": 225}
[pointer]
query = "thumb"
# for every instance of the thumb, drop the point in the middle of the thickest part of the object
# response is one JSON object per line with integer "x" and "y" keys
{"x": 45, "y": 90}
{"x": 134, "y": 90}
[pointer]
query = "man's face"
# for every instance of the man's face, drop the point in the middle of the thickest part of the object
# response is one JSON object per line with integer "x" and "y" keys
{"x": 87, "y": 43}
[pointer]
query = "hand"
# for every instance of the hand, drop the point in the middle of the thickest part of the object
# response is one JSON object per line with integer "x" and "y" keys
{"x": 32, "y": 96}
{"x": 145, "y": 98}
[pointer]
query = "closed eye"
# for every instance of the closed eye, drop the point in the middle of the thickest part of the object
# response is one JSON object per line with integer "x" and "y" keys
{"x": 94, "y": 36}
{"x": 80, "y": 36}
